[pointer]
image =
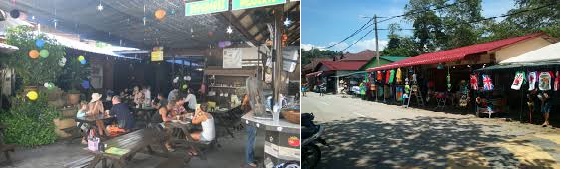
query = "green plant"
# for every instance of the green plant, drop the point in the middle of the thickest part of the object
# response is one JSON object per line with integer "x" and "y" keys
{"x": 30, "y": 123}
{"x": 33, "y": 71}
{"x": 73, "y": 73}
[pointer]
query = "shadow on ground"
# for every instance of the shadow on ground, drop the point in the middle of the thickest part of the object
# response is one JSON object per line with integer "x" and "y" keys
{"x": 434, "y": 142}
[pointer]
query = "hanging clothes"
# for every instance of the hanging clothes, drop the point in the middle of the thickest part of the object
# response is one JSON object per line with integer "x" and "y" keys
{"x": 556, "y": 82}
{"x": 398, "y": 93}
{"x": 487, "y": 82}
{"x": 473, "y": 81}
{"x": 398, "y": 77}
{"x": 448, "y": 84}
{"x": 532, "y": 80}
{"x": 545, "y": 81}
{"x": 392, "y": 76}
{"x": 387, "y": 77}
{"x": 379, "y": 76}
{"x": 518, "y": 80}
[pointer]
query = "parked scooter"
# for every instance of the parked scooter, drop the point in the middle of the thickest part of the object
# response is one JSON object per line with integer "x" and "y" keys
{"x": 311, "y": 135}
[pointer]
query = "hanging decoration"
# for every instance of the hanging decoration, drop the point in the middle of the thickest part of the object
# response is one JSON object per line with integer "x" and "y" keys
{"x": 532, "y": 80}
{"x": 473, "y": 81}
{"x": 44, "y": 53}
{"x": 40, "y": 43}
{"x": 100, "y": 6}
{"x": 379, "y": 76}
{"x": 287, "y": 22}
{"x": 223, "y": 44}
{"x": 556, "y": 82}
{"x": 49, "y": 85}
{"x": 440, "y": 66}
{"x": 392, "y": 76}
{"x": 545, "y": 81}
{"x": 160, "y": 14}
{"x": 448, "y": 84}
{"x": 62, "y": 62}
{"x": 487, "y": 83}
{"x": 85, "y": 84}
{"x": 229, "y": 30}
{"x": 284, "y": 39}
{"x": 34, "y": 54}
{"x": 387, "y": 77}
{"x": 15, "y": 13}
{"x": 398, "y": 76}
{"x": 518, "y": 80}
{"x": 32, "y": 95}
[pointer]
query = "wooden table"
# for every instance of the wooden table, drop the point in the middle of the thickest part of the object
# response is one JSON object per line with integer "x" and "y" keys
{"x": 91, "y": 120}
{"x": 134, "y": 142}
{"x": 149, "y": 112}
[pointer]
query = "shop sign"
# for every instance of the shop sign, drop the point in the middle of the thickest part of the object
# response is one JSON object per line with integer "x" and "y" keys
{"x": 205, "y": 7}
{"x": 245, "y": 4}
{"x": 157, "y": 56}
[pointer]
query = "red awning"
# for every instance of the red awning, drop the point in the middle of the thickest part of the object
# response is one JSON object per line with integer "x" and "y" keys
{"x": 453, "y": 54}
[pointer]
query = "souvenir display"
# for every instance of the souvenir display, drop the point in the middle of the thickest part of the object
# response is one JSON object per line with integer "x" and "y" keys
{"x": 388, "y": 77}
{"x": 392, "y": 76}
{"x": 398, "y": 77}
{"x": 545, "y": 81}
{"x": 518, "y": 80}
{"x": 379, "y": 76}
{"x": 532, "y": 80}
{"x": 398, "y": 92}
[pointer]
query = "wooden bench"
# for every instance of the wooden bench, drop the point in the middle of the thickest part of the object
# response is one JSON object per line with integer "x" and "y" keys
{"x": 6, "y": 148}
{"x": 80, "y": 163}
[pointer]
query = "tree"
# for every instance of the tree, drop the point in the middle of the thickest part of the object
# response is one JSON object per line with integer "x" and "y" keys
{"x": 399, "y": 46}
{"x": 308, "y": 56}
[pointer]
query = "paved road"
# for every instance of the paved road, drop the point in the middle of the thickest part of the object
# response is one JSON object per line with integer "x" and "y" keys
{"x": 374, "y": 135}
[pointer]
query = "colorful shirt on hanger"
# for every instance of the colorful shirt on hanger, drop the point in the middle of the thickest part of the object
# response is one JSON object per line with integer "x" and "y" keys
{"x": 518, "y": 80}
{"x": 392, "y": 76}
{"x": 556, "y": 82}
{"x": 473, "y": 82}
{"x": 379, "y": 76}
{"x": 398, "y": 77}
{"x": 545, "y": 81}
{"x": 532, "y": 80}
{"x": 387, "y": 77}
{"x": 487, "y": 83}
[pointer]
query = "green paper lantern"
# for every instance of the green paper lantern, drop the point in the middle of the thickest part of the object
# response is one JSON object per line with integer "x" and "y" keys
{"x": 44, "y": 53}
{"x": 80, "y": 58}
{"x": 185, "y": 86}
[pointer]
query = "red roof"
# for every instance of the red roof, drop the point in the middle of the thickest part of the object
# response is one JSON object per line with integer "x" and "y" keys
{"x": 339, "y": 65}
{"x": 360, "y": 56}
{"x": 315, "y": 62}
{"x": 453, "y": 54}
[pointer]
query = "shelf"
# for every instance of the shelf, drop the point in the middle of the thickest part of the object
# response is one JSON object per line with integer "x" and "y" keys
{"x": 227, "y": 87}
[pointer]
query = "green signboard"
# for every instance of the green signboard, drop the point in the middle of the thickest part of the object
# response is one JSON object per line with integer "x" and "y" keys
{"x": 245, "y": 4}
{"x": 205, "y": 7}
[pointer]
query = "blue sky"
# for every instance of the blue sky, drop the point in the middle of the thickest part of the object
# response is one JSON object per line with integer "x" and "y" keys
{"x": 325, "y": 22}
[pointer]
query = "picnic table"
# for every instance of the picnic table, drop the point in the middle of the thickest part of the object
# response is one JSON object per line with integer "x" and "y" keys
{"x": 91, "y": 120}
{"x": 132, "y": 143}
{"x": 148, "y": 112}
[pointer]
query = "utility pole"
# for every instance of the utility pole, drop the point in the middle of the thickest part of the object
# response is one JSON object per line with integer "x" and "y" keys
{"x": 376, "y": 34}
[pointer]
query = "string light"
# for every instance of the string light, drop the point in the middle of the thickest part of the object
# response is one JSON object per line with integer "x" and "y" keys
{"x": 229, "y": 30}
{"x": 100, "y": 6}
{"x": 287, "y": 22}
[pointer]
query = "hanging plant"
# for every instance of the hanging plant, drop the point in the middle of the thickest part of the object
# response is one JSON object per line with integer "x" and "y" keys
{"x": 33, "y": 70}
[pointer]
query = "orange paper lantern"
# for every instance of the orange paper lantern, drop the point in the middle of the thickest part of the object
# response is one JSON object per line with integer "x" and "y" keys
{"x": 160, "y": 14}
{"x": 34, "y": 54}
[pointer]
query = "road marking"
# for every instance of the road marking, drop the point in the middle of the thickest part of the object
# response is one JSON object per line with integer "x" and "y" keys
{"x": 359, "y": 114}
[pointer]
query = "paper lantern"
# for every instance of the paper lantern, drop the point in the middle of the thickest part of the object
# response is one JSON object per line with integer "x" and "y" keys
{"x": 34, "y": 54}
{"x": 85, "y": 84}
{"x": 160, "y": 14}
{"x": 15, "y": 13}
{"x": 44, "y": 53}
{"x": 80, "y": 58}
{"x": 62, "y": 62}
{"x": 40, "y": 43}
{"x": 32, "y": 95}
{"x": 184, "y": 86}
{"x": 83, "y": 62}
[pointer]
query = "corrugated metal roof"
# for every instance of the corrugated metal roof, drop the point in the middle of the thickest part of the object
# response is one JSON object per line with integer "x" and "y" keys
{"x": 340, "y": 65}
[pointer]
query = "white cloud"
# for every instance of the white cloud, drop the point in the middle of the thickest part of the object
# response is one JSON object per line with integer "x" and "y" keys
{"x": 369, "y": 44}
{"x": 307, "y": 47}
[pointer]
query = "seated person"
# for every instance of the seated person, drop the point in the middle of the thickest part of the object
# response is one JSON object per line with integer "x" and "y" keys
{"x": 125, "y": 118}
{"x": 167, "y": 115}
{"x": 95, "y": 107}
{"x": 207, "y": 122}
{"x": 82, "y": 113}
{"x": 179, "y": 108}
{"x": 192, "y": 99}
{"x": 162, "y": 101}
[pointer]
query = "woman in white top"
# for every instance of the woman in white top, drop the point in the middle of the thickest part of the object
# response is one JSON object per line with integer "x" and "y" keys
{"x": 207, "y": 122}
{"x": 192, "y": 99}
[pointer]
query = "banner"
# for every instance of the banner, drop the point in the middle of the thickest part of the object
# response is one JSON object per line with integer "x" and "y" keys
{"x": 157, "y": 56}
{"x": 232, "y": 58}
{"x": 205, "y": 7}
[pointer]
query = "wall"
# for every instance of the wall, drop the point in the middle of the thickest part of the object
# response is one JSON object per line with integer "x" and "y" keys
{"x": 520, "y": 48}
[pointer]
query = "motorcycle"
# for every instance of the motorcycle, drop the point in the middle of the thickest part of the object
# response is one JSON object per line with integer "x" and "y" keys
{"x": 311, "y": 135}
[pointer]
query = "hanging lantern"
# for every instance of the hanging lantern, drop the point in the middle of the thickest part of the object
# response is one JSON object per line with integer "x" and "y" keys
{"x": 62, "y": 62}
{"x": 83, "y": 62}
{"x": 15, "y": 13}
{"x": 34, "y": 54}
{"x": 160, "y": 14}
{"x": 32, "y": 95}
{"x": 185, "y": 86}
{"x": 80, "y": 58}
{"x": 40, "y": 43}
{"x": 85, "y": 84}
{"x": 44, "y": 53}
{"x": 440, "y": 66}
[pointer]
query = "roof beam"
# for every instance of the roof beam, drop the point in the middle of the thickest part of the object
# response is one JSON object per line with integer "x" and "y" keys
{"x": 239, "y": 27}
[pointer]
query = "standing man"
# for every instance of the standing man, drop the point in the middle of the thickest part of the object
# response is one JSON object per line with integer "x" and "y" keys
{"x": 546, "y": 107}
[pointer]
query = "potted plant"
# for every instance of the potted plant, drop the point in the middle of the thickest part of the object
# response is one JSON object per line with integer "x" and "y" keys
{"x": 37, "y": 60}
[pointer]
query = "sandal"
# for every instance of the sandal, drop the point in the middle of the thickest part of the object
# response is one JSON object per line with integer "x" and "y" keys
{"x": 252, "y": 165}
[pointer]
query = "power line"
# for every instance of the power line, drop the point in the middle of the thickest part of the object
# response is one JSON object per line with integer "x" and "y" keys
{"x": 484, "y": 19}
{"x": 353, "y": 34}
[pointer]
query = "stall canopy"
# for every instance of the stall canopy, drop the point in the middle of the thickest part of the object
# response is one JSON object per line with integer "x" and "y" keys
{"x": 349, "y": 74}
{"x": 454, "y": 54}
{"x": 544, "y": 57}
{"x": 336, "y": 65}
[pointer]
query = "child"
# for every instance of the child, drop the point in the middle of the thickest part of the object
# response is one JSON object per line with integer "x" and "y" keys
{"x": 82, "y": 113}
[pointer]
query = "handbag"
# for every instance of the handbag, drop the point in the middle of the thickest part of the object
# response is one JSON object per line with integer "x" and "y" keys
{"x": 93, "y": 141}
